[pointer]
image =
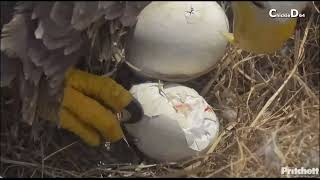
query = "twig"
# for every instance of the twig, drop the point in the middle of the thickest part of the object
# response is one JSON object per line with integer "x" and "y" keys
{"x": 8, "y": 161}
{"x": 246, "y": 76}
{"x": 317, "y": 9}
{"x": 297, "y": 57}
{"x": 309, "y": 91}
{"x": 214, "y": 145}
{"x": 56, "y": 152}
{"x": 21, "y": 163}
{"x": 243, "y": 60}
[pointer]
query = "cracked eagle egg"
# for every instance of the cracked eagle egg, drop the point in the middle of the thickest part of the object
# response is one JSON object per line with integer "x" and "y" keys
{"x": 177, "y": 41}
{"x": 178, "y": 123}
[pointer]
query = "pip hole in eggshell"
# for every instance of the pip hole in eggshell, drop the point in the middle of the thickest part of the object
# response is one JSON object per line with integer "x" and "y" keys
{"x": 178, "y": 123}
{"x": 177, "y": 41}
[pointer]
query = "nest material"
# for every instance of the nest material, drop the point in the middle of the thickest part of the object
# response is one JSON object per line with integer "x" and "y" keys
{"x": 268, "y": 106}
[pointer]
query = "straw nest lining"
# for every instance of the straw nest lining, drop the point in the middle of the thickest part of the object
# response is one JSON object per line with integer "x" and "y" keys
{"x": 268, "y": 106}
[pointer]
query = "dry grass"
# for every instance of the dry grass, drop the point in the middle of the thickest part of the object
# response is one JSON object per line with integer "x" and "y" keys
{"x": 268, "y": 106}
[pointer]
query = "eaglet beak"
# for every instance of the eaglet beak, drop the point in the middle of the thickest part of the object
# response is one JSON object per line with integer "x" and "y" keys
{"x": 255, "y": 31}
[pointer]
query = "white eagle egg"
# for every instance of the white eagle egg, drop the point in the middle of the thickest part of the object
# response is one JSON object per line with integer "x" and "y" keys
{"x": 177, "y": 41}
{"x": 178, "y": 123}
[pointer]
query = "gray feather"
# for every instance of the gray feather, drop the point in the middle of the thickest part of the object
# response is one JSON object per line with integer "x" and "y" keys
{"x": 56, "y": 43}
{"x": 39, "y": 32}
{"x": 31, "y": 71}
{"x": 24, "y": 6}
{"x": 29, "y": 96}
{"x": 9, "y": 70}
{"x": 50, "y": 28}
{"x": 37, "y": 52}
{"x": 42, "y": 9}
{"x": 106, "y": 4}
{"x": 130, "y": 14}
{"x": 61, "y": 13}
{"x": 132, "y": 10}
{"x": 49, "y": 104}
{"x": 84, "y": 13}
{"x": 36, "y": 75}
{"x": 114, "y": 11}
{"x": 73, "y": 46}
{"x": 14, "y": 37}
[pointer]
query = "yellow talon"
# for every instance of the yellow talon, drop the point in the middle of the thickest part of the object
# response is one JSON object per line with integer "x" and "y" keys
{"x": 104, "y": 89}
{"x": 71, "y": 123}
{"x": 91, "y": 112}
{"x": 84, "y": 110}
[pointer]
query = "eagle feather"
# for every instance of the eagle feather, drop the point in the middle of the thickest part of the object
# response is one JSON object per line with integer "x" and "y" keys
{"x": 50, "y": 37}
